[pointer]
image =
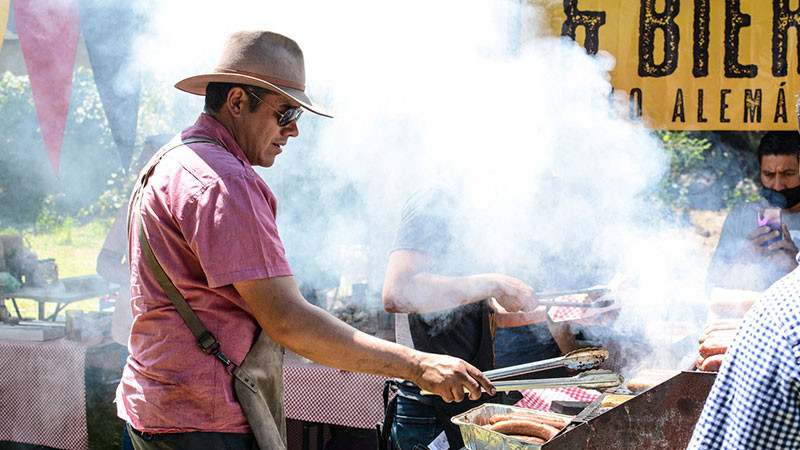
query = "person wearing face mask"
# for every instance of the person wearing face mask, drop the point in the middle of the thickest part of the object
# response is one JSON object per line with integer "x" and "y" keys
{"x": 750, "y": 256}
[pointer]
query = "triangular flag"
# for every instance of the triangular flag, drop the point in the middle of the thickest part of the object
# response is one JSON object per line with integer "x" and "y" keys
{"x": 48, "y": 33}
{"x": 3, "y": 19}
{"x": 109, "y": 29}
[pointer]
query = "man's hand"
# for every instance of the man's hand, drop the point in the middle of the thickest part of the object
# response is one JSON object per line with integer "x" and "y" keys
{"x": 753, "y": 248}
{"x": 783, "y": 253}
{"x": 512, "y": 294}
{"x": 447, "y": 377}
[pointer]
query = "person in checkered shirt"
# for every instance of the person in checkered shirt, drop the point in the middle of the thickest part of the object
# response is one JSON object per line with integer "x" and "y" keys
{"x": 755, "y": 400}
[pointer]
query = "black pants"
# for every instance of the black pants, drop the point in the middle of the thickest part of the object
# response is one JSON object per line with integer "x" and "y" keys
{"x": 190, "y": 441}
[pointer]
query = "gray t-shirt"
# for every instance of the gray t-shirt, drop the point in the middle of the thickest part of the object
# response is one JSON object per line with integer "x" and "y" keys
{"x": 428, "y": 225}
{"x": 757, "y": 275}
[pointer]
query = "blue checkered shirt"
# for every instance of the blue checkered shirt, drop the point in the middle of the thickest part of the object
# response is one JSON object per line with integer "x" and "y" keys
{"x": 755, "y": 400}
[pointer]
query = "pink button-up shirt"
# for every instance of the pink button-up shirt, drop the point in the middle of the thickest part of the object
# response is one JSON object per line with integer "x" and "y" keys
{"x": 210, "y": 220}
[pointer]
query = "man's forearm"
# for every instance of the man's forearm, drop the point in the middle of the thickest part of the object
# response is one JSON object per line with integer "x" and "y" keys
{"x": 312, "y": 332}
{"x": 331, "y": 339}
{"x": 506, "y": 319}
{"x": 427, "y": 292}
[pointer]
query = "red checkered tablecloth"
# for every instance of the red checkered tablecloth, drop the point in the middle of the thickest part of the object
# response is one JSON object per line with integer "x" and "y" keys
{"x": 540, "y": 399}
{"x": 42, "y": 392}
{"x": 316, "y": 393}
{"x": 565, "y": 313}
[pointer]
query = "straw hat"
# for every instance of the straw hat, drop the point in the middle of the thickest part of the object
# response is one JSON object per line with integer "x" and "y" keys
{"x": 259, "y": 58}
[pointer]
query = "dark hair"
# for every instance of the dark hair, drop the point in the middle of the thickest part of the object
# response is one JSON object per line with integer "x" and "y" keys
{"x": 217, "y": 94}
{"x": 779, "y": 143}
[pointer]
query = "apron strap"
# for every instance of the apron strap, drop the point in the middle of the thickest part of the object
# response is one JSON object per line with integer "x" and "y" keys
{"x": 207, "y": 342}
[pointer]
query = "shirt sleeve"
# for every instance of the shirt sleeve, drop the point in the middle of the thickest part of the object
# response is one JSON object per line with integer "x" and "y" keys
{"x": 425, "y": 222}
{"x": 231, "y": 227}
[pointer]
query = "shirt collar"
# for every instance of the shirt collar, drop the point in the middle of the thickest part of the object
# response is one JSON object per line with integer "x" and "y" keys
{"x": 208, "y": 127}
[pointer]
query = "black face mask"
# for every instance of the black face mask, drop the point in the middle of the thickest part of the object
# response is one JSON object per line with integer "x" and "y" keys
{"x": 784, "y": 199}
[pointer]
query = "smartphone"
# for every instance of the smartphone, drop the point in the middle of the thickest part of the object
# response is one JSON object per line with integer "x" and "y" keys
{"x": 770, "y": 217}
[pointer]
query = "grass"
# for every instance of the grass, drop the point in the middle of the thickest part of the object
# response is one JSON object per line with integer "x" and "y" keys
{"x": 75, "y": 250}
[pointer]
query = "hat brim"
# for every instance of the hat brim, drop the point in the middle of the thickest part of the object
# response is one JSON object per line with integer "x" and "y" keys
{"x": 197, "y": 85}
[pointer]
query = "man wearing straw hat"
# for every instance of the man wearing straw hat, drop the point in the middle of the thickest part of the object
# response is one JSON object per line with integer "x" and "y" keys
{"x": 208, "y": 272}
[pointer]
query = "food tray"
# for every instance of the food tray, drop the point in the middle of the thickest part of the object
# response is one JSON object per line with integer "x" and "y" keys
{"x": 477, "y": 437}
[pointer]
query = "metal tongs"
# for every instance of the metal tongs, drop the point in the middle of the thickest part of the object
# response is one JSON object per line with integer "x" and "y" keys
{"x": 592, "y": 379}
{"x": 581, "y": 359}
{"x": 546, "y": 298}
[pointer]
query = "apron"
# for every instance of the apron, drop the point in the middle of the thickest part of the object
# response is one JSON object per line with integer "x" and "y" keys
{"x": 258, "y": 380}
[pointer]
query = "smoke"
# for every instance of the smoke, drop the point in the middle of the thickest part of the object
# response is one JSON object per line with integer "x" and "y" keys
{"x": 556, "y": 184}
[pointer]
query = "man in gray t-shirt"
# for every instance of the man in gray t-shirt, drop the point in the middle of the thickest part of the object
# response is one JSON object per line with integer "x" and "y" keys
{"x": 752, "y": 256}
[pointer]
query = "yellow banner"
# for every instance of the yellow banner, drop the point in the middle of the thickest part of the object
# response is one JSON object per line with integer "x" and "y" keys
{"x": 693, "y": 64}
{"x": 4, "y": 5}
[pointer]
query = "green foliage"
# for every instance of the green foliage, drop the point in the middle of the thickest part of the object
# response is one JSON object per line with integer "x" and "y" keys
{"x": 708, "y": 170}
{"x": 91, "y": 182}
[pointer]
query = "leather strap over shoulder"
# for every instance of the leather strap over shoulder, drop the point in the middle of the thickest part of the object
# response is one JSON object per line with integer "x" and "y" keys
{"x": 207, "y": 342}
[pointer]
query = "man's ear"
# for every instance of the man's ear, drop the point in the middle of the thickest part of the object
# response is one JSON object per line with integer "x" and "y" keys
{"x": 237, "y": 101}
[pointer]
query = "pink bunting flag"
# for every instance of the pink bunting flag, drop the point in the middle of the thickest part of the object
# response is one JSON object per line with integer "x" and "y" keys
{"x": 48, "y": 33}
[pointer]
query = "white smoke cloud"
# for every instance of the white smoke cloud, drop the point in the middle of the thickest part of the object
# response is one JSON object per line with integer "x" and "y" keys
{"x": 422, "y": 88}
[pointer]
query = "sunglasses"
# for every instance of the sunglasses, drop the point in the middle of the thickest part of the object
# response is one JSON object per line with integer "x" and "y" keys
{"x": 284, "y": 118}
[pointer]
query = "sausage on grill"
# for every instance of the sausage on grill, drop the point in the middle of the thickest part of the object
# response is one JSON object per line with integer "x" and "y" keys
{"x": 541, "y": 418}
{"x": 525, "y": 428}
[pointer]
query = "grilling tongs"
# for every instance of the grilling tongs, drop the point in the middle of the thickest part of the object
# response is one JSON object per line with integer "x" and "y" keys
{"x": 549, "y": 299}
{"x": 592, "y": 379}
{"x": 581, "y": 359}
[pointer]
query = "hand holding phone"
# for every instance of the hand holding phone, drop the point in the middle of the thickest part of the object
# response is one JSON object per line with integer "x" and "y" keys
{"x": 770, "y": 217}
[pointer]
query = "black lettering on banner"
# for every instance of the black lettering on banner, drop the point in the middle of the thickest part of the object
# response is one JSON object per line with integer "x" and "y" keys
{"x": 649, "y": 22}
{"x": 782, "y": 19}
{"x": 780, "y": 107}
{"x": 590, "y": 20}
{"x": 700, "y": 118}
{"x": 678, "y": 109}
{"x": 734, "y": 21}
{"x": 723, "y": 105}
{"x": 611, "y": 104}
{"x": 635, "y": 104}
{"x": 752, "y": 106}
{"x": 701, "y": 36}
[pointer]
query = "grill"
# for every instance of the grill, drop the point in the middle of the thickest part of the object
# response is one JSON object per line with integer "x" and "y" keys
{"x": 662, "y": 417}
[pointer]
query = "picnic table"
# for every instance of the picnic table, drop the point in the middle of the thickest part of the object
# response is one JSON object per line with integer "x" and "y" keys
{"x": 62, "y": 293}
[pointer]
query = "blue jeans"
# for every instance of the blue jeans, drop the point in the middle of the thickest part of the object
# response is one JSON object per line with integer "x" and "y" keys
{"x": 191, "y": 441}
{"x": 414, "y": 424}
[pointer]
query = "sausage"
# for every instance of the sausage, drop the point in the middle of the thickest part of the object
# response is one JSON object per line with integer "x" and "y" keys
{"x": 732, "y": 307}
{"x": 721, "y": 334}
{"x": 714, "y": 346}
{"x": 541, "y": 418}
{"x": 712, "y": 363}
{"x": 525, "y": 428}
{"x": 722, "y": 324}
{"x": 646, "y": 379}
{"x": 699, "y": 362}
{"x": 531, "y": 439}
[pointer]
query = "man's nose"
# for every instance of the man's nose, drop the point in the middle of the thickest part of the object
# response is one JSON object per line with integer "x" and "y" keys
{"x": 780, "y": 183}
{"x": 291, "y": 129}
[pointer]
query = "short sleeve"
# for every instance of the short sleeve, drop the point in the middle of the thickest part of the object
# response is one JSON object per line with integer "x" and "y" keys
{"x": 231, "y": 227}
{"x": 425, "y": 224}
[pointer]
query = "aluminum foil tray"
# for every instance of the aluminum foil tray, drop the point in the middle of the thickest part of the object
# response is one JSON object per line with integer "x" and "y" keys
{"x": 477, "y": 437}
